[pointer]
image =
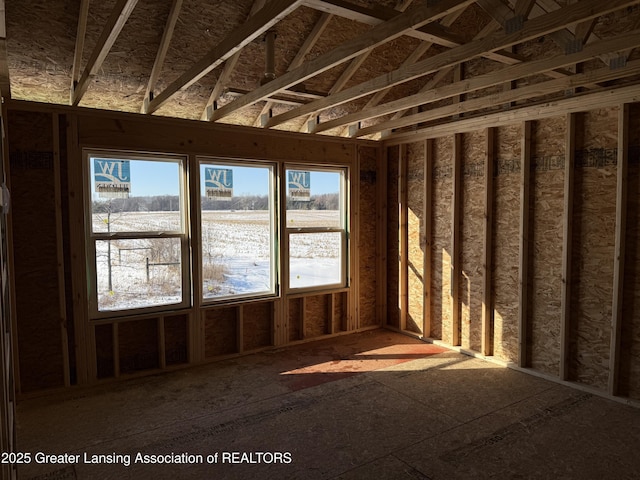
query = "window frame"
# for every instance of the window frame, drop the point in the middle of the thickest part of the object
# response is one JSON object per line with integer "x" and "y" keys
{"x": 344, "y": 229}
{"x": 274, "y": 216}
{"x": 92, "y": 238}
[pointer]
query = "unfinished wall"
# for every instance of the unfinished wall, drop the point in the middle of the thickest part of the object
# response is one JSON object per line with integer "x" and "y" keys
{"x": 35, "y": 239}
{"x": 368, "y": 266}
{"x": 533, "y": 323}
{"x": 505, "y": 241}
{"x": 393, "y": 240}
{"x": 472, "y": 239}
{"x": 630, "y": 343}
{"x": 415, "y": 236}
{"x": 546, "y": 220}
{"x": 58, "y": 341}
{"x": 593, "y": 247}
{"x": 441, "y": 196}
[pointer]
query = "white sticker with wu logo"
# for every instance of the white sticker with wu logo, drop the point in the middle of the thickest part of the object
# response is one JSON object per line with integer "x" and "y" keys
{"x": 112, "y": 178}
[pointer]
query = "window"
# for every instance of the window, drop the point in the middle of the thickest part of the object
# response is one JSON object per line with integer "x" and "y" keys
{"x": 137, "y": 238}
{"x": 248, "y": 214}
{"x": 237, "y": 218}
{"x": 316, "y": 227}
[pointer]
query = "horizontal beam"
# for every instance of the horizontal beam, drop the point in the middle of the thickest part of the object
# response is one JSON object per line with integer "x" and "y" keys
{"x": 376, "y": 36}
{"x": 530, "y": 91}
{"x": 580, "y": 103}
{"x": 255, "y": 26}
{"x": 506, "y": 74}
{"x": 532, "y": 29}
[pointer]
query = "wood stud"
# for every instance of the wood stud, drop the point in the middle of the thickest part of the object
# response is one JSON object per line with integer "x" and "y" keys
{"x": 567, "y": 242}
{"x": 428, "y": 236}
{"x": 455, "y": 238}
{"x": 404, "y": 237}
{"x": 487, "y": 261}
{"x": 619, "y": 259}
{"x": 523, "y": 276}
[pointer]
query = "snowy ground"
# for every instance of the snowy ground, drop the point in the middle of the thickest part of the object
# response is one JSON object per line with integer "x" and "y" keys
{"x": 236, "y": 256}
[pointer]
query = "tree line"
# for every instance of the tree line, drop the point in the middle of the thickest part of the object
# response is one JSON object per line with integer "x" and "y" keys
{"x": 171, "y": 203}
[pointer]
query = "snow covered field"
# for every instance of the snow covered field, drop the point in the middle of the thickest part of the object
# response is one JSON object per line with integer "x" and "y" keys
{"x": 236, "y": 256}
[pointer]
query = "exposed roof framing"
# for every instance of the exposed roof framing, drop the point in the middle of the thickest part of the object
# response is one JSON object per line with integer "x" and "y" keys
{"x": 110, "y": 33}
{"x": 343, "y": 67}
{"x": 532, "y": 29}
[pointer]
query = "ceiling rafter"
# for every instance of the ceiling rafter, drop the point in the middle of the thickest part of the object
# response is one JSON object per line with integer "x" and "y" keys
{"x": 377, "y": 97}
{"x": 83, "y": 15}
{"x": 580, "y": 103}
{"x": 534, "y": 28}
{"x": 377, "y": 15}
{"x": 354, "y": 66}
{"x": 436, "y": 33}
{"x": 491, "y": 27}
{"x": 518, "y": 94}
{"x": 227, "y": 70}
{"x": 298, "y": 60}
{"x": 506, "y": 74}
{"x": 523, "y": 93}
{"x": 116, "y": 22}
{"x": 167, "y": 34}
{"x": 256, "y": 25}
{"x": 376, "y": 36}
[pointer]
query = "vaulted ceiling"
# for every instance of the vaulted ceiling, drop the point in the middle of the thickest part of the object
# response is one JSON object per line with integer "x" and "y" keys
{"x": 359, "y": 68}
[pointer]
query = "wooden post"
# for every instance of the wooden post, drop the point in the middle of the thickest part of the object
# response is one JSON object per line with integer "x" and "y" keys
{"x": 523, "y": 280}
{"x": 487, "y": 262}
{"x": 427, "y": 208}
{"x": 567, "y": 241}
{"x": 194, "y": 216}
{"x": 281, "y": 312}
{"x": 455, "y": 238}
{"x": 85, "y": 363}
{"x": 381, "y": 251}
{"x": 618, "y": 266}
{"x": 60, "y": 250}
{"x": 353, "y": 181}
{"x": 404, "y": 236}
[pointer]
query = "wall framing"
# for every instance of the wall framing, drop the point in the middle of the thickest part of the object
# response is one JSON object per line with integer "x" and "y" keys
{"x": 587, "y": 148}
{"x": 108, "y": 348}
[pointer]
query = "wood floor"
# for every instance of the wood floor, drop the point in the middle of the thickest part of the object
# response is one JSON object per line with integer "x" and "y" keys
{"x": 375, "y": 405}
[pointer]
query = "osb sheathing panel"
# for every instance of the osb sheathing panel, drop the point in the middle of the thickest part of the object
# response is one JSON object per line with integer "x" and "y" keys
{"x": 630, "y": 339}
{"x": 441, "y": 196}
{"x": 33, "y": 219}
{"x": 295, "y": 319}
{"x": 367, "y": 235}
{"x": 416, "y": 245}
{"x": 175, "y": 339}
{"x": 138, "y": 345}
{"x": 472, "y": 239}
{"x": 256, "y": 322}
{"x": 546, "y": 234}
{"x": 316, "y": 316}
{"x": 593, "y": 247}
{"x": 220, "y": 331}
{"x": 393, "y": 245}
{"x": 104, "y": 351}
{"x": 339, "y": 311}
{"x": 506, "y": 235}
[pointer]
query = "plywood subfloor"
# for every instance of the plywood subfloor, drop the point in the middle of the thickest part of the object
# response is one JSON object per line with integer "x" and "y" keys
{"x": 371, "y": 405}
